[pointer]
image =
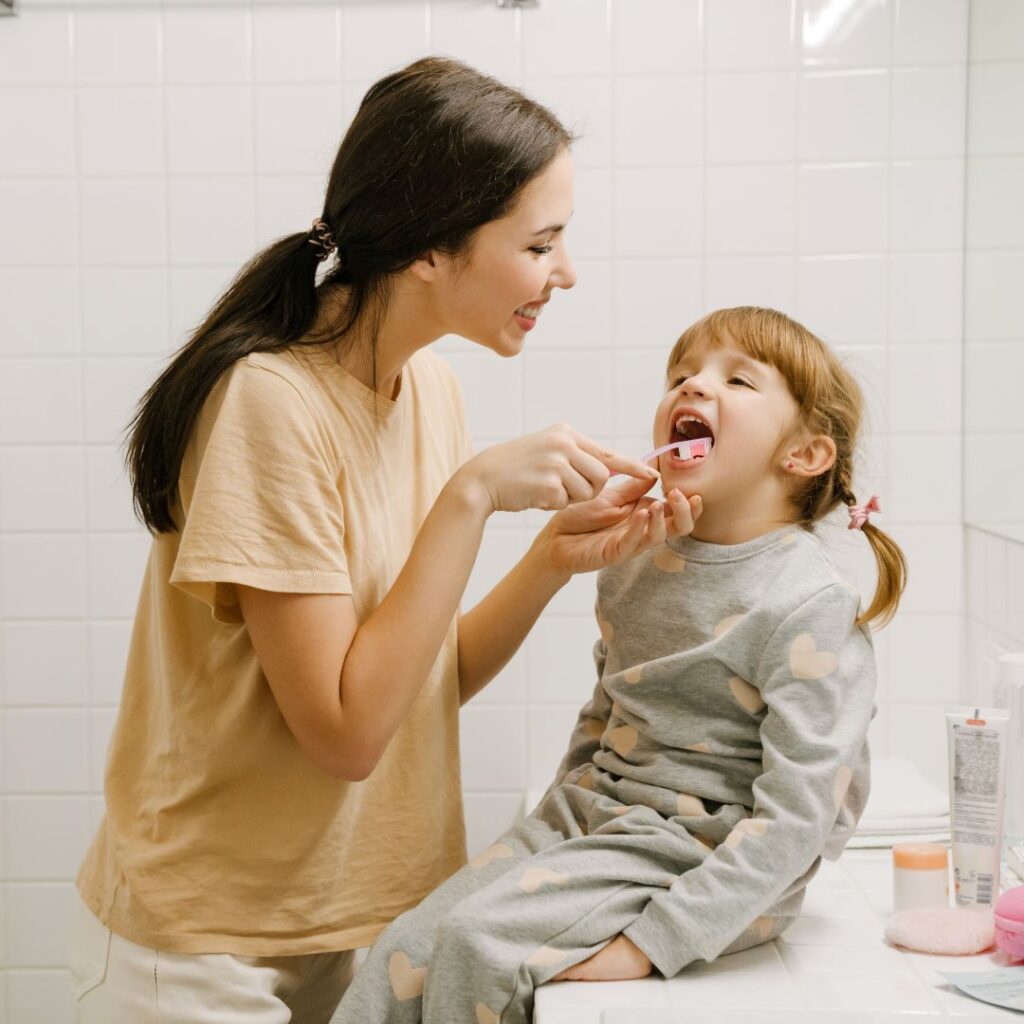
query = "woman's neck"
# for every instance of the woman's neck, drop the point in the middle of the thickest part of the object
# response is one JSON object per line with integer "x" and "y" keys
{"x": 406, "y": 326}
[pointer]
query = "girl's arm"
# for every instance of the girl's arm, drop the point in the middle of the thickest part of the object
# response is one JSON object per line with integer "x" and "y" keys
{"x": 817, "y": 678}
{"x": 344, "y": 688}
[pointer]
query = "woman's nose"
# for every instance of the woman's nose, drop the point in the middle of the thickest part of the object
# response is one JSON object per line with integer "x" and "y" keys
{"x": 564, "y": 273}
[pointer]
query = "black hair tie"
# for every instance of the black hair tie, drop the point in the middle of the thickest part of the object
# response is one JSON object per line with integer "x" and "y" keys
{"x": 321, "y": 239}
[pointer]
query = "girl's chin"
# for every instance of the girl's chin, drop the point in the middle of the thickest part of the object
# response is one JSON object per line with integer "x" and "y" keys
{"x": 670, "y": 465}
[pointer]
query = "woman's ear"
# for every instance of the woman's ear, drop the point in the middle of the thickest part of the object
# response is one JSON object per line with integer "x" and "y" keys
{"x": 811, "y": 457}
{"x": 426, "y": 267}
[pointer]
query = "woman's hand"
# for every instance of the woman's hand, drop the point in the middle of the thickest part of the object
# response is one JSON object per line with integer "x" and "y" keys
{"x": 620, "y": 960}
{"x": 549, "y": 470}
{"x": 618, "y": 524}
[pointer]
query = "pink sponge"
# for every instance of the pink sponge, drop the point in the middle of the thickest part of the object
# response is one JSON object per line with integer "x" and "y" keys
{"x": 1009, "y": 920}
{"x": 955, "y": 931}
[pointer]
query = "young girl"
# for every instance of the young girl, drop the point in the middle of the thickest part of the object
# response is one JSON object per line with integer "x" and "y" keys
{"x": 283, "y": 777}
{"x": 724, "y": 750}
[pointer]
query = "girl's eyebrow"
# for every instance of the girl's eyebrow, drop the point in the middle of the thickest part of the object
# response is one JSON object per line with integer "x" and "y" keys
{"x": 738, "y": 359}
{"x": 748, "y": 361}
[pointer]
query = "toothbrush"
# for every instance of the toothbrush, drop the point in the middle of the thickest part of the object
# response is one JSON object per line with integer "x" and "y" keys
{"x": 698, "y": 448}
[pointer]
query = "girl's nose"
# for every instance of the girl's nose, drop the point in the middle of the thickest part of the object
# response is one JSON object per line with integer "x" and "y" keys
{"x": 695, "y": 385}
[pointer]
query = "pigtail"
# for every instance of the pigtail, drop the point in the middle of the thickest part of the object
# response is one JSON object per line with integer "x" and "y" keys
{"x": 889, "y": 558}
{"x": 892, "y": 577}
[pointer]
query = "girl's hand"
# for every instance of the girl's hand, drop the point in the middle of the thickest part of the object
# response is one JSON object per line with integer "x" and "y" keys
{"x": 620, "y": 960}
{"x": 617, "y": 525}
{"x": 549, "y": 470}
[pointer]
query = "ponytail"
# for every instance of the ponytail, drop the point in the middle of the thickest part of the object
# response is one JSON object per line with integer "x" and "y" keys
{"x": 435, "y": 150}
{"x": 271, "y": 304}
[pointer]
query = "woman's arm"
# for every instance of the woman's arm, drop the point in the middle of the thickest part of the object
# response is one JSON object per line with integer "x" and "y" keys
{"x": 616, "y": 525}
{"x": 344, "y": 688}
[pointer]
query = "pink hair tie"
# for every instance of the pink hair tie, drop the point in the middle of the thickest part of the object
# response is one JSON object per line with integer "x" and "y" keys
{"x": 859, "y": 513}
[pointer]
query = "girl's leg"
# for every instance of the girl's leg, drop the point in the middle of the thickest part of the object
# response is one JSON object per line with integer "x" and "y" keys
{"x": 555, "y": 910}
{"x": 387, "y": 988}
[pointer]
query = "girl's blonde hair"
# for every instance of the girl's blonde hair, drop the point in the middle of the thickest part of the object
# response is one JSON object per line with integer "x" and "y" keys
{"x": 830, "y": 403}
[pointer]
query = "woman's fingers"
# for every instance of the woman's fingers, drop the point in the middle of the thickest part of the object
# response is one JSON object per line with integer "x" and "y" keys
{"x": 614, "y": 461}
{"x": 590, "y": 468}
{"x": 577, "y": 486}
{"x": 634, "y": 535}
{"x": 631, "y": 489}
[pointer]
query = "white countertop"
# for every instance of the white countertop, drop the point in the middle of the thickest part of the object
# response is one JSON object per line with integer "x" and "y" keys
{"x": 832, "y": 966}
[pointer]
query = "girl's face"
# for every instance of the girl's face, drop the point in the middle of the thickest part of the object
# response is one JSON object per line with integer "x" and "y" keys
{"x": 747, "y": 409}
{"x": 495, "y": 294}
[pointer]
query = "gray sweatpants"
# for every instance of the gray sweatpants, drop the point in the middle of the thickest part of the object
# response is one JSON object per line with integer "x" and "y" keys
{"x": 551, "y": 892}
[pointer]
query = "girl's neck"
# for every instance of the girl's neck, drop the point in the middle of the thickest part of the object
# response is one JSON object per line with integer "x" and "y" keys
{"x": 738, "y": 522}
{"x": 733, "y": 531}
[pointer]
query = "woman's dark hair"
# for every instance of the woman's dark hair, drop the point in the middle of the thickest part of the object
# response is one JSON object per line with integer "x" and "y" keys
{"x": 434, "y": 151}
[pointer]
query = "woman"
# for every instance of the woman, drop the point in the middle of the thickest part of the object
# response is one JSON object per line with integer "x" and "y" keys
{"x": 283, "y": 777}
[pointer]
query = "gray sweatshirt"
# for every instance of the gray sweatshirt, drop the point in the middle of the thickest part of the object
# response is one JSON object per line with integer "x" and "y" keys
{"x": 731, "y": 678}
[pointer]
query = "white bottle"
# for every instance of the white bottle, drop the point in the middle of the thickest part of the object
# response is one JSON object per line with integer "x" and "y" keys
{"x": 920, "y": 876}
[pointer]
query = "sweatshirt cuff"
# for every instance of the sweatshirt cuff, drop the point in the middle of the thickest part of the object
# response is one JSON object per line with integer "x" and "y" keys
{"x": 657, "y": 936}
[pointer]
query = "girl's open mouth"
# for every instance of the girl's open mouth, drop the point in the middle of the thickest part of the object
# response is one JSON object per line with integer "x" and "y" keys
{"x": 690, "y": 427}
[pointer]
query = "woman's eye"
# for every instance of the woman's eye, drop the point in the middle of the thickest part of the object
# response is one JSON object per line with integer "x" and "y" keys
{"x": 541, "y": 250}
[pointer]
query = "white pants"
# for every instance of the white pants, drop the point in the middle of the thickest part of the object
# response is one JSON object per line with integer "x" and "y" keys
{"x": 114, "y": 981}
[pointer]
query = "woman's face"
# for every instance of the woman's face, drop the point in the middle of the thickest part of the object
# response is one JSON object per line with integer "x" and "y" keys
{"x": 495, "y": 293}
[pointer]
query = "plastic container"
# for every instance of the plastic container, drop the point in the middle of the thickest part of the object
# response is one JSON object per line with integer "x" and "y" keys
{"x": 920, "y": 876}
{"x": 1009, "y": 922}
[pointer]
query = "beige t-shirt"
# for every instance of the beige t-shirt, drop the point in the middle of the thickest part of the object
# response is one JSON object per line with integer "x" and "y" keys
{"x": 220, "y": 834}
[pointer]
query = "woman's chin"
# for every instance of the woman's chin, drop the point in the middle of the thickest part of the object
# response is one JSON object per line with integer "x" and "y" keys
{"x": 508, "y": 344}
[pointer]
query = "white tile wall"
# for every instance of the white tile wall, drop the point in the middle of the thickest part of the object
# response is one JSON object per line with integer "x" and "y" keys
{"x": 995, "y": 607}
{"x": 798, "y": 153}
{"x": 993, "y": 426}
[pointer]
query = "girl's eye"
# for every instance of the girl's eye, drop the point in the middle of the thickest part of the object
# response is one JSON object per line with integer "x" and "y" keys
{"x": 541, "y": 250}
{"x": 740, "y": 380}
{"x": 676, "y": 383}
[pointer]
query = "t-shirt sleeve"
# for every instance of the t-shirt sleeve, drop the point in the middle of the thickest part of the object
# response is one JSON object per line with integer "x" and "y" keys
{"x": 817, "y": 678}
{"x": 264, "y": 509}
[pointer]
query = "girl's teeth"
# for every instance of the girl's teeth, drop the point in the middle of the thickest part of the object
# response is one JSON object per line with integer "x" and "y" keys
{"x": 528, "y": 311}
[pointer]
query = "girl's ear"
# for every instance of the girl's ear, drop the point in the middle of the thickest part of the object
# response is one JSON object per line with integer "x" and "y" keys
{"x": 811, "y": 457}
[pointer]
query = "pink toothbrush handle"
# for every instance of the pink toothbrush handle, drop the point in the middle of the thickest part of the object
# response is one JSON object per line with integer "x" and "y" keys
{"x": 661, "y": 451}
{"x": 700, "y": 442}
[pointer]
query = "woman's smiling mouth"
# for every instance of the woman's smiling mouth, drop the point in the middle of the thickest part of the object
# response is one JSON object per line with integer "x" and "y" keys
{"x": 526, "y": 316}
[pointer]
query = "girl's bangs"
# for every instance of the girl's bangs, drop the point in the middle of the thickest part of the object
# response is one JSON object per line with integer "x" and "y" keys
{"x": 766, "y": 335}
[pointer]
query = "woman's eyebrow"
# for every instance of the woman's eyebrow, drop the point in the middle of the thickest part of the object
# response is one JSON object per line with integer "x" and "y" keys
{"x": 553, "y": 229}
